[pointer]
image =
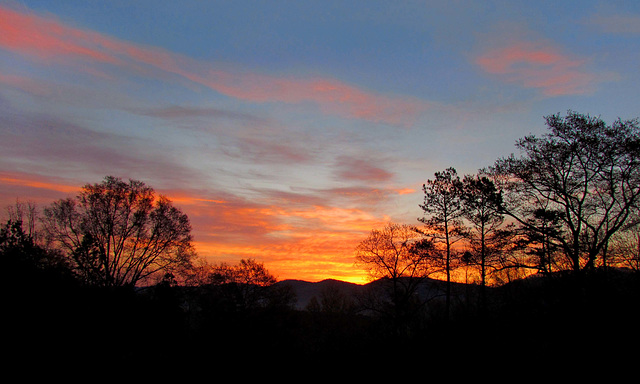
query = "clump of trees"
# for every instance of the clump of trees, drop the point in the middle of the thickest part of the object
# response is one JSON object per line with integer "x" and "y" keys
{"x": 574, "y": 187}
{"x": 111, "y": 276}
{"x": 397, "y": 255}
{"x": 243, "y": 287}
{"x": 28, "y": 262}
{"x": 568, "y": 201}
{"x": 117, "y": 233}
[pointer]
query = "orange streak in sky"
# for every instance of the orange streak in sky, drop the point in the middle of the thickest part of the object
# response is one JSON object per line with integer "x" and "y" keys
{"x": 38, "y": 184}
{"x": 190, "y": 200}
{"x": 405, "y": 191}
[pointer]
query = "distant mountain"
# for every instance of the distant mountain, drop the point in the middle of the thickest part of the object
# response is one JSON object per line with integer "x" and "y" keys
{"x": 429, "y": 288}
{"x": 305, "y": 290}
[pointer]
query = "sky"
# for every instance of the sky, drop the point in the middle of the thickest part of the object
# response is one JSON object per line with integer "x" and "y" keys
{"x": 288, "y": 130}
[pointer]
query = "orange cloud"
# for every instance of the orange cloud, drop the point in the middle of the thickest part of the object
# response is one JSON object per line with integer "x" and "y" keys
{"x": 405, "y": 191}
{"x": 16, "y": 186}
{"x": 24, "y": 181}
{"x": 185, "y": 199}
{"x": 539, "y": 66}
{"x": 50, "y": 40}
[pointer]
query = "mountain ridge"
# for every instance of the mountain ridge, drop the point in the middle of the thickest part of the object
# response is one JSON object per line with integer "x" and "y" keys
{"x": 535, "y": 284}
{"x": 305, "y": 291}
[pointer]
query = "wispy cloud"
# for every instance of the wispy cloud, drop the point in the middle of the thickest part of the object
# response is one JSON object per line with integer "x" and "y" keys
{"x": 48, "y": 144}
{"x": 38, "y": 182}
{"x": 26, "y": 84}
{"x": 179, "y": 112}
{"x": 539, "y": 66}
{"x": 264, "y": 150}
{"x": 49, "y": 40}
{"x": 40, "y": 190}
{"x": 353, "y": 168}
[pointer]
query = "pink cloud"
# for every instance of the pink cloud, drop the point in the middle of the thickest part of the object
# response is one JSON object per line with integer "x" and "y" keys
{"x": 50, "y": 40}
{"x": 539, "y": 66}
{"x": 46, "y": 38}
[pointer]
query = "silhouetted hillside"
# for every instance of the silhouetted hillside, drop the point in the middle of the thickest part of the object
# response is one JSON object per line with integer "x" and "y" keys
{"x": 305, "y": 290}
{"x": 542, "y": 317}
{"x": 546, "y": 304}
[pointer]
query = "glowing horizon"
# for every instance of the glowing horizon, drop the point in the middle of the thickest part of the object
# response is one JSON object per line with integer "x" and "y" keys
{"x": 293, "y": 253}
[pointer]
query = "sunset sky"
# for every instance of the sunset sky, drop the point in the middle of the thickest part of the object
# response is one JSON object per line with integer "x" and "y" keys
{"x": 287, "y": 130}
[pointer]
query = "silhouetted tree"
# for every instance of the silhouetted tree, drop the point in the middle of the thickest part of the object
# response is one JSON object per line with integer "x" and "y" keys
{"x": 543, "y": 225}
{"x": 27, "y": 263}
{"x": 118, "y": 233}
{"x": 442, "y": 218}
{"x": 246, "y": 285}
{"x": 335, "y": 300}
{"x": 583, "y": 169}
{"x": 391, "y": 255}
{"x": 25, "y": 213}
{"x": 625, "y": 248}
{"x": 487, "y": 235}
{"x": 38, "y": 295}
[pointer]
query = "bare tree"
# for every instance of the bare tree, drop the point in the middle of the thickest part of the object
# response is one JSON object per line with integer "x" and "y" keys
{"x": 625, "y": 248}
{"x": 27, "y": 214}
{"x": 118, "y": 233}
{"x": 400, "y": 256}
{"x": 388, "y": 253}
{"x": 585, "y": 171}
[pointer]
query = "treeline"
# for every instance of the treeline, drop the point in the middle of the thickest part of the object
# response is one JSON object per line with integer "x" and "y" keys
{"x": 239, "y": 314}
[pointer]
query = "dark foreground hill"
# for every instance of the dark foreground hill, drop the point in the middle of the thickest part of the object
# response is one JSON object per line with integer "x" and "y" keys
{"x": 615, "y": 287}
{"x": 540, "y": 320}
{"x": 535, "y": 322}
